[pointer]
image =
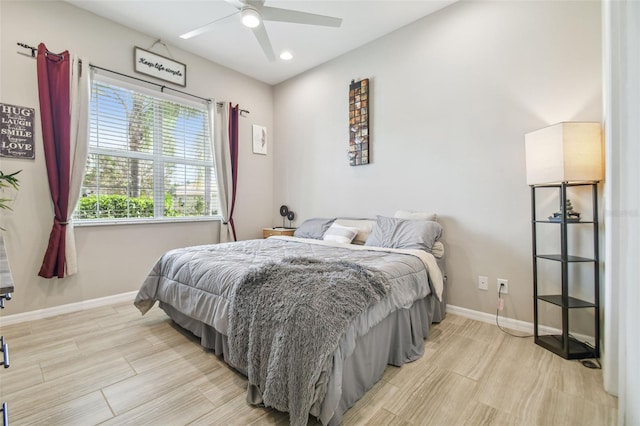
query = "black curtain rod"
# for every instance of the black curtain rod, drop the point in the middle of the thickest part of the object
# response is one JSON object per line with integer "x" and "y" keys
{"x": 161, "y": 86}
{"x": 35, "y": 49}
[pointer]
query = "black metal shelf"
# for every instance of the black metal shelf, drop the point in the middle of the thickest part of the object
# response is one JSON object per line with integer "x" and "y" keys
{"x": 572, "y": 302}
{"x": 579, "y": 222}
{"x": 577, "y": 349}
{"x": 558, "y": 258}
{"x": 562, "y": 343}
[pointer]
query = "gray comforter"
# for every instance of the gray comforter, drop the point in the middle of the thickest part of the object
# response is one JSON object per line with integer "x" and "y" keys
{"x": 287, "y": 319}
{"x": 200, "y": 282}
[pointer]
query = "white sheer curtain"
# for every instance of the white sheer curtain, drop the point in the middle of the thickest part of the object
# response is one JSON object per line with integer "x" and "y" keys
{"x": 219, "y": 129}
{"x": 621, "y": 371}
{"x": 80, "y": 88}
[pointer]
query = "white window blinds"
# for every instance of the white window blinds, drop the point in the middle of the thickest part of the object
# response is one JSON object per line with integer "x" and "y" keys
{"x": 149, "y": 156}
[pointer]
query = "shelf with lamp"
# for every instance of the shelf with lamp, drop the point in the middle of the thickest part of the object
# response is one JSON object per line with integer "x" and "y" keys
{"x": 566, "y": 158}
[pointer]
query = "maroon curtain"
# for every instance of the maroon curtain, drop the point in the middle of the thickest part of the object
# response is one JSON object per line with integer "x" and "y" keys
{"x": 53, "y": 88}
{"x": 234, "y": 113}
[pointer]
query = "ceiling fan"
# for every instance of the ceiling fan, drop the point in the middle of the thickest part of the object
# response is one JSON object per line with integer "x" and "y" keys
{"x": 254, "y": 13}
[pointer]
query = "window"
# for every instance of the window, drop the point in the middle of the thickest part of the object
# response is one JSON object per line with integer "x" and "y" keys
{"x": 149, "y": 157}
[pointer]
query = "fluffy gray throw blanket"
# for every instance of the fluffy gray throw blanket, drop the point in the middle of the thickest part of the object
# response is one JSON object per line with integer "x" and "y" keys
{"x": 287, "y": 318}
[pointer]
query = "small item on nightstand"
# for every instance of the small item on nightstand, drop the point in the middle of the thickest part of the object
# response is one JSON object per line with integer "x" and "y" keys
{"x": 284, "y": 211}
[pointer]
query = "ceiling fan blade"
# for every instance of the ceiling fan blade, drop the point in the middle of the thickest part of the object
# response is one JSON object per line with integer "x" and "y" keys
{"x": 255, "y": 3}
{"x": 293, "y": 16}
{"x": 238, "y": 4}
{"x": 205, "y": 28}
{"x": 263, "y": 39}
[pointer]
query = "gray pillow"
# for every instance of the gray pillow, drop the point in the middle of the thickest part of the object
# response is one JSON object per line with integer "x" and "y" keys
{"x": 404, "y": 233}
{"x": 313, "y": 228}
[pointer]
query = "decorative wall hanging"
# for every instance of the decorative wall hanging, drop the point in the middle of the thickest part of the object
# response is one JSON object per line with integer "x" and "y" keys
{"x": 16, "y": 131}
{"x": 259, "y": 139}
{"x": 359, "y": 136}
{"x": 158, "y": 66}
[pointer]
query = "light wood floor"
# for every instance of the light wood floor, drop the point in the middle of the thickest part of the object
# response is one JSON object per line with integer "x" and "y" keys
{"x": 111, "y": 366}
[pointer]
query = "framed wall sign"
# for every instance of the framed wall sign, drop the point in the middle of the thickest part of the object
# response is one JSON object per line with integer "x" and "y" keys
{"x": 158, "y": 66}
{"x": 16, "y": 131}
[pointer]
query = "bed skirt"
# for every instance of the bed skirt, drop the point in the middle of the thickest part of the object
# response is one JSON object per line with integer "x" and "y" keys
{"x": 397, "y": 339}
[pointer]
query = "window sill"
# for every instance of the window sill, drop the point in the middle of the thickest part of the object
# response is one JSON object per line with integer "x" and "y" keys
{"x": 111, "y": 222}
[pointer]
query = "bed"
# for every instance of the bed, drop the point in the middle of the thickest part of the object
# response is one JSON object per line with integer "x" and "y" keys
{"x": 360, "y": 307}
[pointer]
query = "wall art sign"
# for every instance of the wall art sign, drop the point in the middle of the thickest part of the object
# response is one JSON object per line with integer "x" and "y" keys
{"x": 359, "y": 136}
{"x": 16, "y": 131}
{"x": 159, "y": 66}
{"x": 259, "y": 140}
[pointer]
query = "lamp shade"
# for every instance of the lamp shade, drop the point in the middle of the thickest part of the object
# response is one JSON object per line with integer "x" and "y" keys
{"x": 564, "y": 152}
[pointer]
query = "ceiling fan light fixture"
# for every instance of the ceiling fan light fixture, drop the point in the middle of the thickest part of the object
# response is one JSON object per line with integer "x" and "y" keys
{"x": 286, "y": 55}
{"x": 250, "y": 17}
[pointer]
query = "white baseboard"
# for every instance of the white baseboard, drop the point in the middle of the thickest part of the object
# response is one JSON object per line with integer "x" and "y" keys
{"x": 65, "y": 309}
{"x": 512, "y": 324}
{"x": 509, "y": 323}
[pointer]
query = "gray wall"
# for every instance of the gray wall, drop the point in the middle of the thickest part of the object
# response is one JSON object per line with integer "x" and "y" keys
{"x": 111, "y": 259}
{"x": 452, "y": 96}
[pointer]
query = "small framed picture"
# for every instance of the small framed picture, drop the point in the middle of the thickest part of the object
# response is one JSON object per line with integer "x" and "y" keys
{"x": 259, "y": 140}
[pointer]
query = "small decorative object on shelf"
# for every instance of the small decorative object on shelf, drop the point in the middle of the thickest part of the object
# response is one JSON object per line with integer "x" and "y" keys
{"x": 572, "y": 215}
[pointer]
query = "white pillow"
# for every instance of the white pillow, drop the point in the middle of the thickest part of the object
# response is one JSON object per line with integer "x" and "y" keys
{"x": 408, "y": 214}
{"x": 340, "y": 234}
{"x": 364, "y": 227}
{"x": 438, "y": 249}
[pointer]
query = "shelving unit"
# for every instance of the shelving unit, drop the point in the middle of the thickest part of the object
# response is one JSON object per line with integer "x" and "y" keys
{"x": 5, "y": 294}
{"x": 565, "y": 343}
{"x": 6, "y": 288}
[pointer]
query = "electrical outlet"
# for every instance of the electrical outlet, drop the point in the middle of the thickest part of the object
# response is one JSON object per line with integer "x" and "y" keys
{"x": 483, "y": 282}
{"x": 505, "y": 286}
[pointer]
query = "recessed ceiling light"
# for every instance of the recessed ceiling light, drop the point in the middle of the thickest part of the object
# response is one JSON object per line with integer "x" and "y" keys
{"x": 250, "y": 17}
{"x": 286, "y": 55}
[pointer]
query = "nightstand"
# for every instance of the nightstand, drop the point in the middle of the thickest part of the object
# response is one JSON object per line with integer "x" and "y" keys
{"x": 269, "y": 232}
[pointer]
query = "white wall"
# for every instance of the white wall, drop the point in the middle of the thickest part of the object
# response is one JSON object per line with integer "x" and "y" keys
{"x": 111, "y": 259}
{"x": 452, "y": 96}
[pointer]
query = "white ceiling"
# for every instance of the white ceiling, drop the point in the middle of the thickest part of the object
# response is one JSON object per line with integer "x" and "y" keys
{"x": 234, "y": 46}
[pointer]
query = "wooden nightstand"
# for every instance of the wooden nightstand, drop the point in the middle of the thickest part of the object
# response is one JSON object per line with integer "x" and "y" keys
{"x": 268, "y": 232}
